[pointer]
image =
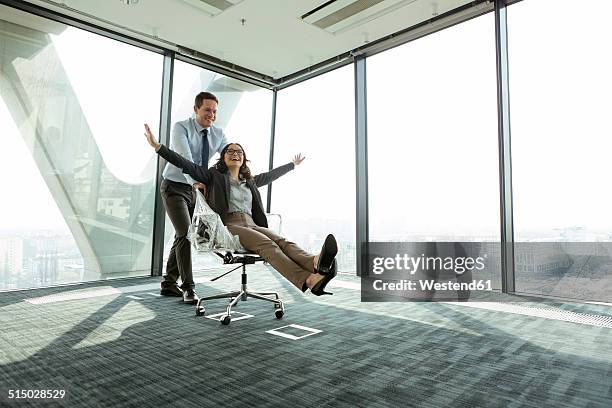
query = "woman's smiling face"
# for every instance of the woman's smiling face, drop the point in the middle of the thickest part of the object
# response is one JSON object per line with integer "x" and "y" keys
{"x": 234, "y": 156}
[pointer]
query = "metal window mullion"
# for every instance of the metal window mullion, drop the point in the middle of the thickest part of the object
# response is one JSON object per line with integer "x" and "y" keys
{"x": 272, "y": 134}
{"x": 505, "y": 163}
{"x": 361, "y": 166}
{"x": 240, "y": 73}
{"x": 159, "y": 214}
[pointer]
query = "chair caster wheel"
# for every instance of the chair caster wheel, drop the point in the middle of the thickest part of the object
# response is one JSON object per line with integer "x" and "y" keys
{"x": 279, "y": 314}
{"x": 200, "y": 311}
{"x": 225, "y": 319}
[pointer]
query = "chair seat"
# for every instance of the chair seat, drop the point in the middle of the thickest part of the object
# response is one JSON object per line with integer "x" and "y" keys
{"x": 239, "y": 257}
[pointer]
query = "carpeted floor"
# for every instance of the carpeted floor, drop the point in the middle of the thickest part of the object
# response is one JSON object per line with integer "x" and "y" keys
{"x": 117, "y": 344}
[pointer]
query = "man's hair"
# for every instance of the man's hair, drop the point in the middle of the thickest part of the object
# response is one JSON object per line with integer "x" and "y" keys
{"x": 204, "y": 95}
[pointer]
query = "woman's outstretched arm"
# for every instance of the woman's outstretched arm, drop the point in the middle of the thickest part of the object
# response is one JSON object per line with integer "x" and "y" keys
{"x": 268, "y": 177}
{"x": 199, "y": 173}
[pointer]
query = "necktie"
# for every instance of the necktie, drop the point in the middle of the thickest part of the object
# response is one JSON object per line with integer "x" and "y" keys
{"x": 205, "y": 151}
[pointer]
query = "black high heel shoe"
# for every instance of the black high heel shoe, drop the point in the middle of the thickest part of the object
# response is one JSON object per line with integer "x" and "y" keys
{"x": 327, "y": 255}
{"x": 319, "y": 288}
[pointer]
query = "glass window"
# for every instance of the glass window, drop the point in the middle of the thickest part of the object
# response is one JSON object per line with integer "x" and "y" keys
{"x": 78, "y": 175}
{"x": 317, "y": 118}
{"x": 244, "y": 113}
{"x": 559, "y": 93}
{"x": 432, "y": 138}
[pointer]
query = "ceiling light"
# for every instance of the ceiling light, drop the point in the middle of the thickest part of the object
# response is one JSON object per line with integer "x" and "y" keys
{"x": 338, "y": 16}
{"x": 130, "y": 2}
{"x": 212, "y": 7}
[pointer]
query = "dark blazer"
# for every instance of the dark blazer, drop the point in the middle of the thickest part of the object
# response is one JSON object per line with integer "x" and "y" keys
{"x": 219, "y": 184}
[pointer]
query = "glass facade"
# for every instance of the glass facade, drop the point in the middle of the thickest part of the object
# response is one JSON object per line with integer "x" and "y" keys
{"x": 244, "y": 113}
{"x": 432, "y": 139}
{"x": 77, "y": 177}
{"x": 559, "y": 93}
{"x": 317, "y": 118}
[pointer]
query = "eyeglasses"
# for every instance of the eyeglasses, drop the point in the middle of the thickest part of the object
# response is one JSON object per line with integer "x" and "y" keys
{"x": 231, "y": 152}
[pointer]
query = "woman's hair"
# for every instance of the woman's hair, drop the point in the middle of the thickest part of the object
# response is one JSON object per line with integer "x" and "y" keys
{"x": 245, "y": 172}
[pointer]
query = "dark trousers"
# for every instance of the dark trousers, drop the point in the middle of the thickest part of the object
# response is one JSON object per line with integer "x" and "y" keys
{"x": 179, "y": 201}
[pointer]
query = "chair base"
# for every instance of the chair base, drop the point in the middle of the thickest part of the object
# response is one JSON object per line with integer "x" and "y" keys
{"x": 243, "y": 294}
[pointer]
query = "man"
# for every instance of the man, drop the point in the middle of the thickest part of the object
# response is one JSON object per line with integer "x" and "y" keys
{"x": 197, "y": 140}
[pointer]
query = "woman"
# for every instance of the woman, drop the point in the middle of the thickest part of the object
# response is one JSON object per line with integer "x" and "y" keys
{"x": 233, "y": 194}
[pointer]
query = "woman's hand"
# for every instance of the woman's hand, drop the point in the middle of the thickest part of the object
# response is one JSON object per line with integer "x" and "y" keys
{"x": 151, "y": 139}
{"x": 298, "y": 159}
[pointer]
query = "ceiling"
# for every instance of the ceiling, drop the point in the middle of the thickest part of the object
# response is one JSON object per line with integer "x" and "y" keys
{"x": 265, "y": 36}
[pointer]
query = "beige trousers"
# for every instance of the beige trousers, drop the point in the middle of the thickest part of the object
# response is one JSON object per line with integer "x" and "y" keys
{"x": 285, "y": 256}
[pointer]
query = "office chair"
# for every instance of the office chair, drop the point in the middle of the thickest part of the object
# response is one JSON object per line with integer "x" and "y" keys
{"x": 242, "y": 258}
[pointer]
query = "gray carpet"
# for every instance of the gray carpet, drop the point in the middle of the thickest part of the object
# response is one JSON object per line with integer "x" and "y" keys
{"x": 126, "y": 347}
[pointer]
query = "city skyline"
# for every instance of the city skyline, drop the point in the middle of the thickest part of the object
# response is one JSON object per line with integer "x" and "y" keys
{"x": 48, "y": 257}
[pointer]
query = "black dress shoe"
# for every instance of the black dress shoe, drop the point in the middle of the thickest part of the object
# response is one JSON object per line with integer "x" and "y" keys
{"x": 327, "y": 255}
{"x": 190, "y": 297}
{"x": 319, "y": 288}
{"x": 171, "y": 291}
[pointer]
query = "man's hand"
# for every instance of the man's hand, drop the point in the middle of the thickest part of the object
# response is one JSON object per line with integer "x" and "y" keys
{"x": 199, "y": 186}
{"x": 298, "y": 159}
{"x": 150, "y": 138}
